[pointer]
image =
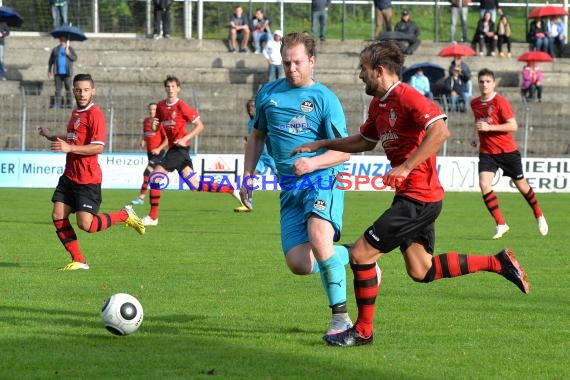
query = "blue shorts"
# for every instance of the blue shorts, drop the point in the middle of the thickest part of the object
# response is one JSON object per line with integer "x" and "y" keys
{"x": 265, "y": 165}
{"x": 302, "y": 201}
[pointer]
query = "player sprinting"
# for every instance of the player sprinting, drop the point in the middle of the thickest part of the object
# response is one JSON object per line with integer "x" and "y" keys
{"x": 173, "y": 114}
{"x": 411, "y": 130}
{"x": 156, "y": 144}
{"x": 79, "y": 188}
{"x": 265, "y": 162}
{"x": 289, "y": 112}
{"x": 494, "y": 123}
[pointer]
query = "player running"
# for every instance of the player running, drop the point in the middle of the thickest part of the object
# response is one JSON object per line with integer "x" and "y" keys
{"x": 411, "y": 129}
{"x": 156, "y": 144}
{"x": 494, "y": 123}
{"x": 79, "y": 188}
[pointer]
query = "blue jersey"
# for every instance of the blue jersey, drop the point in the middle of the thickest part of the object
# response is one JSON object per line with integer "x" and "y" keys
{"x": 265, "y": 160}
{"x": 292, "y": 116}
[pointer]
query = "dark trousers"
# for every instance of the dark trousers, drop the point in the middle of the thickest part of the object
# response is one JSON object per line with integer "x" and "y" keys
{"x": 504, "y": 40}
{"x": 161, "y": 16}
{"x": 60, "y": 81}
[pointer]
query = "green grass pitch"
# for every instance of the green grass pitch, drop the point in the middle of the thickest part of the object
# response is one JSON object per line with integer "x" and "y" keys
{"x": 219, "y": 301}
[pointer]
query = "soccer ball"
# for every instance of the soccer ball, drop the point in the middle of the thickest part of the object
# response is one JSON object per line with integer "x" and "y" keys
{"x": 122, "y": 314}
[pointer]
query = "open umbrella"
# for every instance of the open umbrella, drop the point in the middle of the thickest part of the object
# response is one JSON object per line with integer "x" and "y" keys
{"x": 457, "y": 50}
{"x": 547, "y": 11}
{"x": 10, "y": 17}
{"x": 71, "y": 32}
{"x": 535, "y": 56}
{"x": 432, "y": 71}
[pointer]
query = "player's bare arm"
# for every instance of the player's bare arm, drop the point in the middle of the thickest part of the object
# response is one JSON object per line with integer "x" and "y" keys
{"x": 59, "y": 145}
{"x": 510, "y": 126}
{"x": 253, "y": 149}
{"x": 328, "y": 159}
{"x": 350, "y": 144}
{"x": 198, "y": 128}
{"x": 44, "y": 131}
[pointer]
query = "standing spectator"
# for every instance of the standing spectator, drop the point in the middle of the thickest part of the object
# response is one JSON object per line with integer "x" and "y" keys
{"x": 272, "y": 53}
{"x": 162, "y": 18}
{"x": 411, "y": 129}
{"x": 58, "y": 12}
{"x": 411, "y": 29}
{"x": 504, "y": 36}
{"x": 4, "y": 32}
{"x": 538, "y": 37}
{"x": 485, "y": 36}
{"x": 260, "y": 30}
{"x": 156, "y": 144}
{"x": 531, "y": 82}
{"x": 459, "y": 8}
{"x": 456, "y": 89}
{"x": 319, "y": 10}
{"x": 491, "y": 6}
{"x": 173, "y": 115}
{"x": 239, "y": 30}
{"x": 289, "y": 112}
{"x": 382, "y": 17}
{"x": 79, "y": 188}
{"x": 556, "y": 36}
{"x": 494, "y": 124}
{"x": 421, "y": 83}
{"x": 60, "y": 66}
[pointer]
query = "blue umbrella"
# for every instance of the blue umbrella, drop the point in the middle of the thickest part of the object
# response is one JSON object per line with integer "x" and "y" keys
{"x": 71, "y": 32}
{"x": 432, "y": 71}
{"x": 10, "y": 17}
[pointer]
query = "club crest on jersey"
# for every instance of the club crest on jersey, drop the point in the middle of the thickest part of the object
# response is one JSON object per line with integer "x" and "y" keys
{"x": 307, "y": 106}
{"x": 392, "y": 117}
{"x": 320, "y": 205}
{"x": 173, "y": 114}
{"x": 490, "y": 111}
{"x": 76, "y": 123}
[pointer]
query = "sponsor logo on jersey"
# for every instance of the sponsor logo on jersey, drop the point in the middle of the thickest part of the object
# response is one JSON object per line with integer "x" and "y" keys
{"x": 320, "y": 205}
{"x": 307, "y": 106}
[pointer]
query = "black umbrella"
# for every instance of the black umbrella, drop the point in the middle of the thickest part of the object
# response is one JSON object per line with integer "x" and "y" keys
{"x": 10, "y": 17}
{"x": 432, "y": 71}
{"x": 72, "y": 33}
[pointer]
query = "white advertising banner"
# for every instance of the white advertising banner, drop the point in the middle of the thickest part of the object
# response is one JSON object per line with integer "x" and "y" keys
{"x": 125, "y": 171}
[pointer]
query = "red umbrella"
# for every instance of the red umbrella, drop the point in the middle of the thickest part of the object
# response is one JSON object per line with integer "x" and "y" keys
{"x": 455, "y": 50}
{"x": 547, "y": 11}
{"x": 535, "y": 56}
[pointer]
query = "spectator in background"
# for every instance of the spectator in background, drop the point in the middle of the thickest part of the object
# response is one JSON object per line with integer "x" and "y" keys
{"x": 531, "y": 82}
{"x": 411, "y": 29}
{"x": 421, "y": 83}
{"x": 459, "y": 8}
{"x": 465, "y": 75}
{"x": 4, "y": 32}
{"x": 319, "y": 10}
{"x": 239, "y": 30}
{"x": 58, "y": 12}
{"x": 456, "y": 90}
{"x": 162, "y": 16}
{"x": 272, "y": 53}
{"x": 537, "y": 36}
{"x": 504, "y": 36}
{"x": 260, "y": 29}
{"x": 491, "y": 6}
{"x": 556, "y": 36}
{"x": 60, "y": 66}
{"x": 382, "y": 17}
{"x": 485, "y": 36}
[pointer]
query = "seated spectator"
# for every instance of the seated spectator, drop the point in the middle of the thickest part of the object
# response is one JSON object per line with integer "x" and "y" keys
{"x": 465, "y": 75}
{"x": 531, "y": 82}
{"x": 504, "y": 36}
{"x": 421, "y": 83}
{"x": 485, "y": 36}
{"x": 260, "y": 29}
{"x": 272, "y": 53}
{"x": 556, "y": 36}
{"x": 537, "y": 36}
{"x": 457, "y": 91}
{"x": 239, "y": 30}
{"x": 411, "y": 29}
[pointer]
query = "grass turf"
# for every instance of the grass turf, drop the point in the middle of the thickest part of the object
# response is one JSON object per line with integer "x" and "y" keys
{"x": 220, "y": 302}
